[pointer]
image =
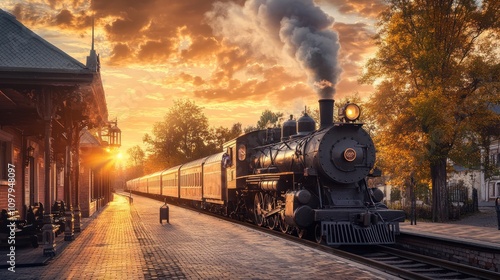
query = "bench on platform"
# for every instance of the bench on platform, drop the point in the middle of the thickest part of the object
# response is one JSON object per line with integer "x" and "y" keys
{"x": 59, "y": 212}
{"x": 10, "y": 221}
{"x": 35, "y": 217}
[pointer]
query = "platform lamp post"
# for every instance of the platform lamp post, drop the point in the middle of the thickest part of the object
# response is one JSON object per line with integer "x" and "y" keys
{"x": 114, "y": 141}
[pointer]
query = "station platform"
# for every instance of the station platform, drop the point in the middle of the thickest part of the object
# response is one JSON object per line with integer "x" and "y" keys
{"x": 127, "y": 241}
{"x": 480, "y": 228}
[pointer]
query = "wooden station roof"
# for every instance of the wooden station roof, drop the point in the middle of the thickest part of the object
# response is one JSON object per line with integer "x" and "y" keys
{"x": 29, "y": 66}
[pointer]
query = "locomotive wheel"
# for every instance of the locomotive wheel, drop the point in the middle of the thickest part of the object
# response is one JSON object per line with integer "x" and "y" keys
{"x": 284, "y": 227}
{"x": 318, "y": 236}
{"x": 270, "y": 203}
{"x": 257, "y": 209}
{"x": 302, "y": 233}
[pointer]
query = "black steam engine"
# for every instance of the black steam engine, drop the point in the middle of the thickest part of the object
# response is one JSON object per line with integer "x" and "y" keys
{"x": 322, "y": 174}
{"x": 304, "y": 180}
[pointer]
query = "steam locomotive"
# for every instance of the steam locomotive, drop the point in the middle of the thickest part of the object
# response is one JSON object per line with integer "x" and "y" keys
{"x": 297, "y": 179}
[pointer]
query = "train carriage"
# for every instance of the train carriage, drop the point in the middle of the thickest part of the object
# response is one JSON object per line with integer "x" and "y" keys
{"x": 154, "y": 183}
{"x": 214, "y": 185}
{"x": 191, "y": 180}
{"x": 170, "y": 182}
{"x": 132, "y": 185}
{"x": 142, "y": 185}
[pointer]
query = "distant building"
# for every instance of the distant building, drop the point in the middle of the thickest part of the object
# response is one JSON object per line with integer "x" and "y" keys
{"x": 491, "y": 186}
{"x": 488, "y": 188}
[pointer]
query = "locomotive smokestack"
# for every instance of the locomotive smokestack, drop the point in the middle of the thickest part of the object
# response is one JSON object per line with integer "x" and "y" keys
{"x": 325, "y": 112}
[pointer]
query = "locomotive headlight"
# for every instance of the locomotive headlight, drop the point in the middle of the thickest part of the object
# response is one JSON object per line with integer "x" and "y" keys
{"x": 351, "y": 112}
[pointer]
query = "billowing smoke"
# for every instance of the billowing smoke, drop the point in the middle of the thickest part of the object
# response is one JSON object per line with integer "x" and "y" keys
{"x": 272, "y": 28}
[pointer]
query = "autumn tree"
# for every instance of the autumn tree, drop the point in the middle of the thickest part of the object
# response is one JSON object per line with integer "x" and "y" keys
{"x": 181, "y": 136}
{"x": 437, "y": 68}
{"x": 135, "y": 164}
{"x": 185, "y": 135}
{"x": 218, "y": 136}
{"x": 269, "y": 119}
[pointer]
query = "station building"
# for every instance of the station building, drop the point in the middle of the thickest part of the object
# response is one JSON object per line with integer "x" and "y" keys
{"x": 55, "y": 135}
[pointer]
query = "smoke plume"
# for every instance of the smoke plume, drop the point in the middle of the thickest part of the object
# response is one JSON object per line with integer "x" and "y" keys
{"x": 272, "y": 29}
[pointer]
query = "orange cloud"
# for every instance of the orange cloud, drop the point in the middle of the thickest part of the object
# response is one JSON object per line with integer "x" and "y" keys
{"x": 192, "y": 54}
{"x": 365, "y": 8}
{"x": 156, "y": 51}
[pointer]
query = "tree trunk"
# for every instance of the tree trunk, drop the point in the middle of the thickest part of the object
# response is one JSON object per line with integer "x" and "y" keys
{"x": 439, "y": 191}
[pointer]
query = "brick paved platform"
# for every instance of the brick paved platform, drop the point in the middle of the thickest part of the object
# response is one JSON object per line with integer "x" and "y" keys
{"x": 26, "y": 255}
{"x": 128, "y": 242}
{"x": 479, "y": 228}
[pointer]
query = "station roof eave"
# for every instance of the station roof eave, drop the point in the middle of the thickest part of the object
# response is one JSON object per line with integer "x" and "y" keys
{"x": 99, "y": 109}
{"x": 10, "y": 76}
{"x": 29, "y": 63}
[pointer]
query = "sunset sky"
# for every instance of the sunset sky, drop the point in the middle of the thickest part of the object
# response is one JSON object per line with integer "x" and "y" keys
{"x": 233, "y": 58}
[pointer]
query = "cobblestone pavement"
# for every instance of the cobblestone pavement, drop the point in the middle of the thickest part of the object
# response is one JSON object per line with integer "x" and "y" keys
{"x": 127, "y": 242}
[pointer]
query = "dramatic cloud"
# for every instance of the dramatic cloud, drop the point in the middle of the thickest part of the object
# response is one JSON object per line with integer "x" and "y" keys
{"x": 272, "y": 28}
{"x": 365, "y": 8}
{"x": 357, "y": 46}
{"x": 225, "y": 38}
{"x": 236, "y": 58}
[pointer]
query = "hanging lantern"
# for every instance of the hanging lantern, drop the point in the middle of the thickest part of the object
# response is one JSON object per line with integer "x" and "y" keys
{"x": 114, "y": 134}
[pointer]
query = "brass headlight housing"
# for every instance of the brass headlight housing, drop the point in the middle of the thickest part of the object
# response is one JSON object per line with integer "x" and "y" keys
{"x": 350, "y": 112}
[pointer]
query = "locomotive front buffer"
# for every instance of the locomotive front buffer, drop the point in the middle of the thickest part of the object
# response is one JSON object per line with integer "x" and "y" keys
{"x": 341, "y": 226}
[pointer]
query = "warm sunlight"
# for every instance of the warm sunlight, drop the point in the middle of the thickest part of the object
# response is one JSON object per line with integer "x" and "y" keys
{"x": 223, "y": 139}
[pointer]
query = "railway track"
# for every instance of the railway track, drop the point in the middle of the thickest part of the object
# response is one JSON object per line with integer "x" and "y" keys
{"x": 400, "y": 263}
{"x": 409, "y": 265}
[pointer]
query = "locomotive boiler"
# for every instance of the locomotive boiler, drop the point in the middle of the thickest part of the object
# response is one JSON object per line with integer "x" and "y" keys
{"x": 297, "y": 179}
